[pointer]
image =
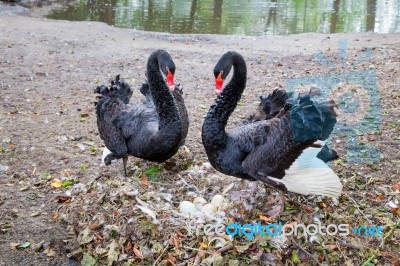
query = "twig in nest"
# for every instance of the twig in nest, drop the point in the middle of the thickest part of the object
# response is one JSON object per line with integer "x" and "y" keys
{"x": 367, "y": 262}
{"x": 200, "y": 250}
{"x": 390, "y": 233}
{"x": 347, "y": 245}
{"x": 355, "y": 204}
{"x": 162, "y": 253}
{"x": 305, "y": 251}
{"x": 225, "y": 249}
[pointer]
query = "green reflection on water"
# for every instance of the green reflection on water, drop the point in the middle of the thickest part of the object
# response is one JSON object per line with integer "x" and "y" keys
{"x": 242, "y": 17}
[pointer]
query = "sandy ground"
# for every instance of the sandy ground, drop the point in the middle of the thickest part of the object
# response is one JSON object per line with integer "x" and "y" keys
{"x": 48, "y": 70}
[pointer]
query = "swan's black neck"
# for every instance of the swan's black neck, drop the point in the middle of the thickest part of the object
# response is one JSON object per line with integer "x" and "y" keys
{"x": 214, "y": 134}
{"x": 164, "y": 102}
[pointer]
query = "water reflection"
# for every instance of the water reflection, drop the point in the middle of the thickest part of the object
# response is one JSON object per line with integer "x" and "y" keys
{"x": 244, "y": 17}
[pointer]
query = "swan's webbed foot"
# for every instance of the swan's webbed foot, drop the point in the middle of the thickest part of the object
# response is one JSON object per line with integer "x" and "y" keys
{"x": 111, "y": 157}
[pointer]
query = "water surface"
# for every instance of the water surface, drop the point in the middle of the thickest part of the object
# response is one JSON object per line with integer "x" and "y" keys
{"x": 241, "y": 17}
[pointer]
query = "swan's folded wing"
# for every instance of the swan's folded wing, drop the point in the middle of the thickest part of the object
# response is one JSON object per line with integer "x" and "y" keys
{"x": 137, "y": 121}
{"x": 270, "y": 147}
{"x": 107, "y": 111}
{"x": 249, "y": 137}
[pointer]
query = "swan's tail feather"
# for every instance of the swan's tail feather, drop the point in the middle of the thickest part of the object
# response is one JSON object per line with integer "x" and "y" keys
{"x": 119, "y": 88}
{"x": 274, "y": 102}
{"x": 310, "y": 120}
{"x": 309, "y": 175}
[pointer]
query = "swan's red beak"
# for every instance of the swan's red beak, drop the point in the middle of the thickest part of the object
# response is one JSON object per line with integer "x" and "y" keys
{"x": 170, "y": 80}
{"x": 218, "y": 84}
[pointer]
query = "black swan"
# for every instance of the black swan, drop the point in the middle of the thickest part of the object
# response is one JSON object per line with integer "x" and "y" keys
{"x": 151, "y": 130}
{"x": 268, "y": 149}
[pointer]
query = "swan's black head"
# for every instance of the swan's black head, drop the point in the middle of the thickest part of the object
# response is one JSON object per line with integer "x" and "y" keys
{"x": 167, "y": 67}
{"x": 221, "y": 70}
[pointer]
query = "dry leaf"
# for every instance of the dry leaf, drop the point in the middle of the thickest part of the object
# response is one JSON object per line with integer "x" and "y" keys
{"x": 137, "y": 252}
{"x": 63, "y": 199}
{"x": 56, "y": 183}
{"x": 93, "y": 226}
{"x": 54, "y": 215}
{"x": 99, "y": 236}
{"x": 179, "y": 233}
{"x": 67, "y": 172}
{"x": 396, "y": 186}
{"x": 144, "y": 180}
{"x": 379, "y": 197}
{"x": 286, "y": 227}
{"x": 171, "y": 258}
{"x": 128, "y": 246}
{"x": 203, "y": 245}
{"x": 175, "y": 241}
{"x": 113, "y": 253}
{"x": 332, "y": 246}
{"x": 265, "y": 219}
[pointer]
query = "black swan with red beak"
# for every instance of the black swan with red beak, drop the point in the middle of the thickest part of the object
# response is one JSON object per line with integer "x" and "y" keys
{"x": 279, "y": 149}
{"x": 152, "y": 130}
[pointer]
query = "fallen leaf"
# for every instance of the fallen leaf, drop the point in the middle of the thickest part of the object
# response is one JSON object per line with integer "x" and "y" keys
{"x": 149, "y": 213}
{"x": 144, "y": 180}
{"x": 137, "y": 252}
{"x": 171, "y": 258}
{"x": 67, "y": 172}
{"x": 25, "y": 188}
{"x": 93, "y": 226}
{"x": 67, "y": 183}
{"x": 203, "y": 245}
{"x": 332, "y": 246}
{"x": 84, "y": 236}
{"x": 23, "y": 246}
{"x": 265, "y": 219}
{"x": 295, "y": 257}
{"x": 380, "y": 197}
{"x": 34, "y": 214}
{"x": 113, "y": 253}
{"x": 56, "y": 183}
{"x": 128, "y": 246}
{"x": 88, "y": 260}
{"x": 175, "y": 241}
{"x": 84, "y": 114}
{"x": 63, "y": 199}
{"x": 50, "y": 252}
{"x": 39, "y": 246}
{"x": 54, "y": 215}
{"x": 99, "y": 236}
{"x": 396, "y": 186}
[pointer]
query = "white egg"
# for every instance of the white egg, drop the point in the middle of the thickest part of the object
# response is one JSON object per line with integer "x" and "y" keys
{"x": 217, "y": 201}
{"x": 187, "y": 208}
{"x": 199, "y": 203}
{"x": 209, "y": 209}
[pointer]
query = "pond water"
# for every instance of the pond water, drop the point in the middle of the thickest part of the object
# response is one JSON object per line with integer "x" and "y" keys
{"x": 240, "y": 17}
